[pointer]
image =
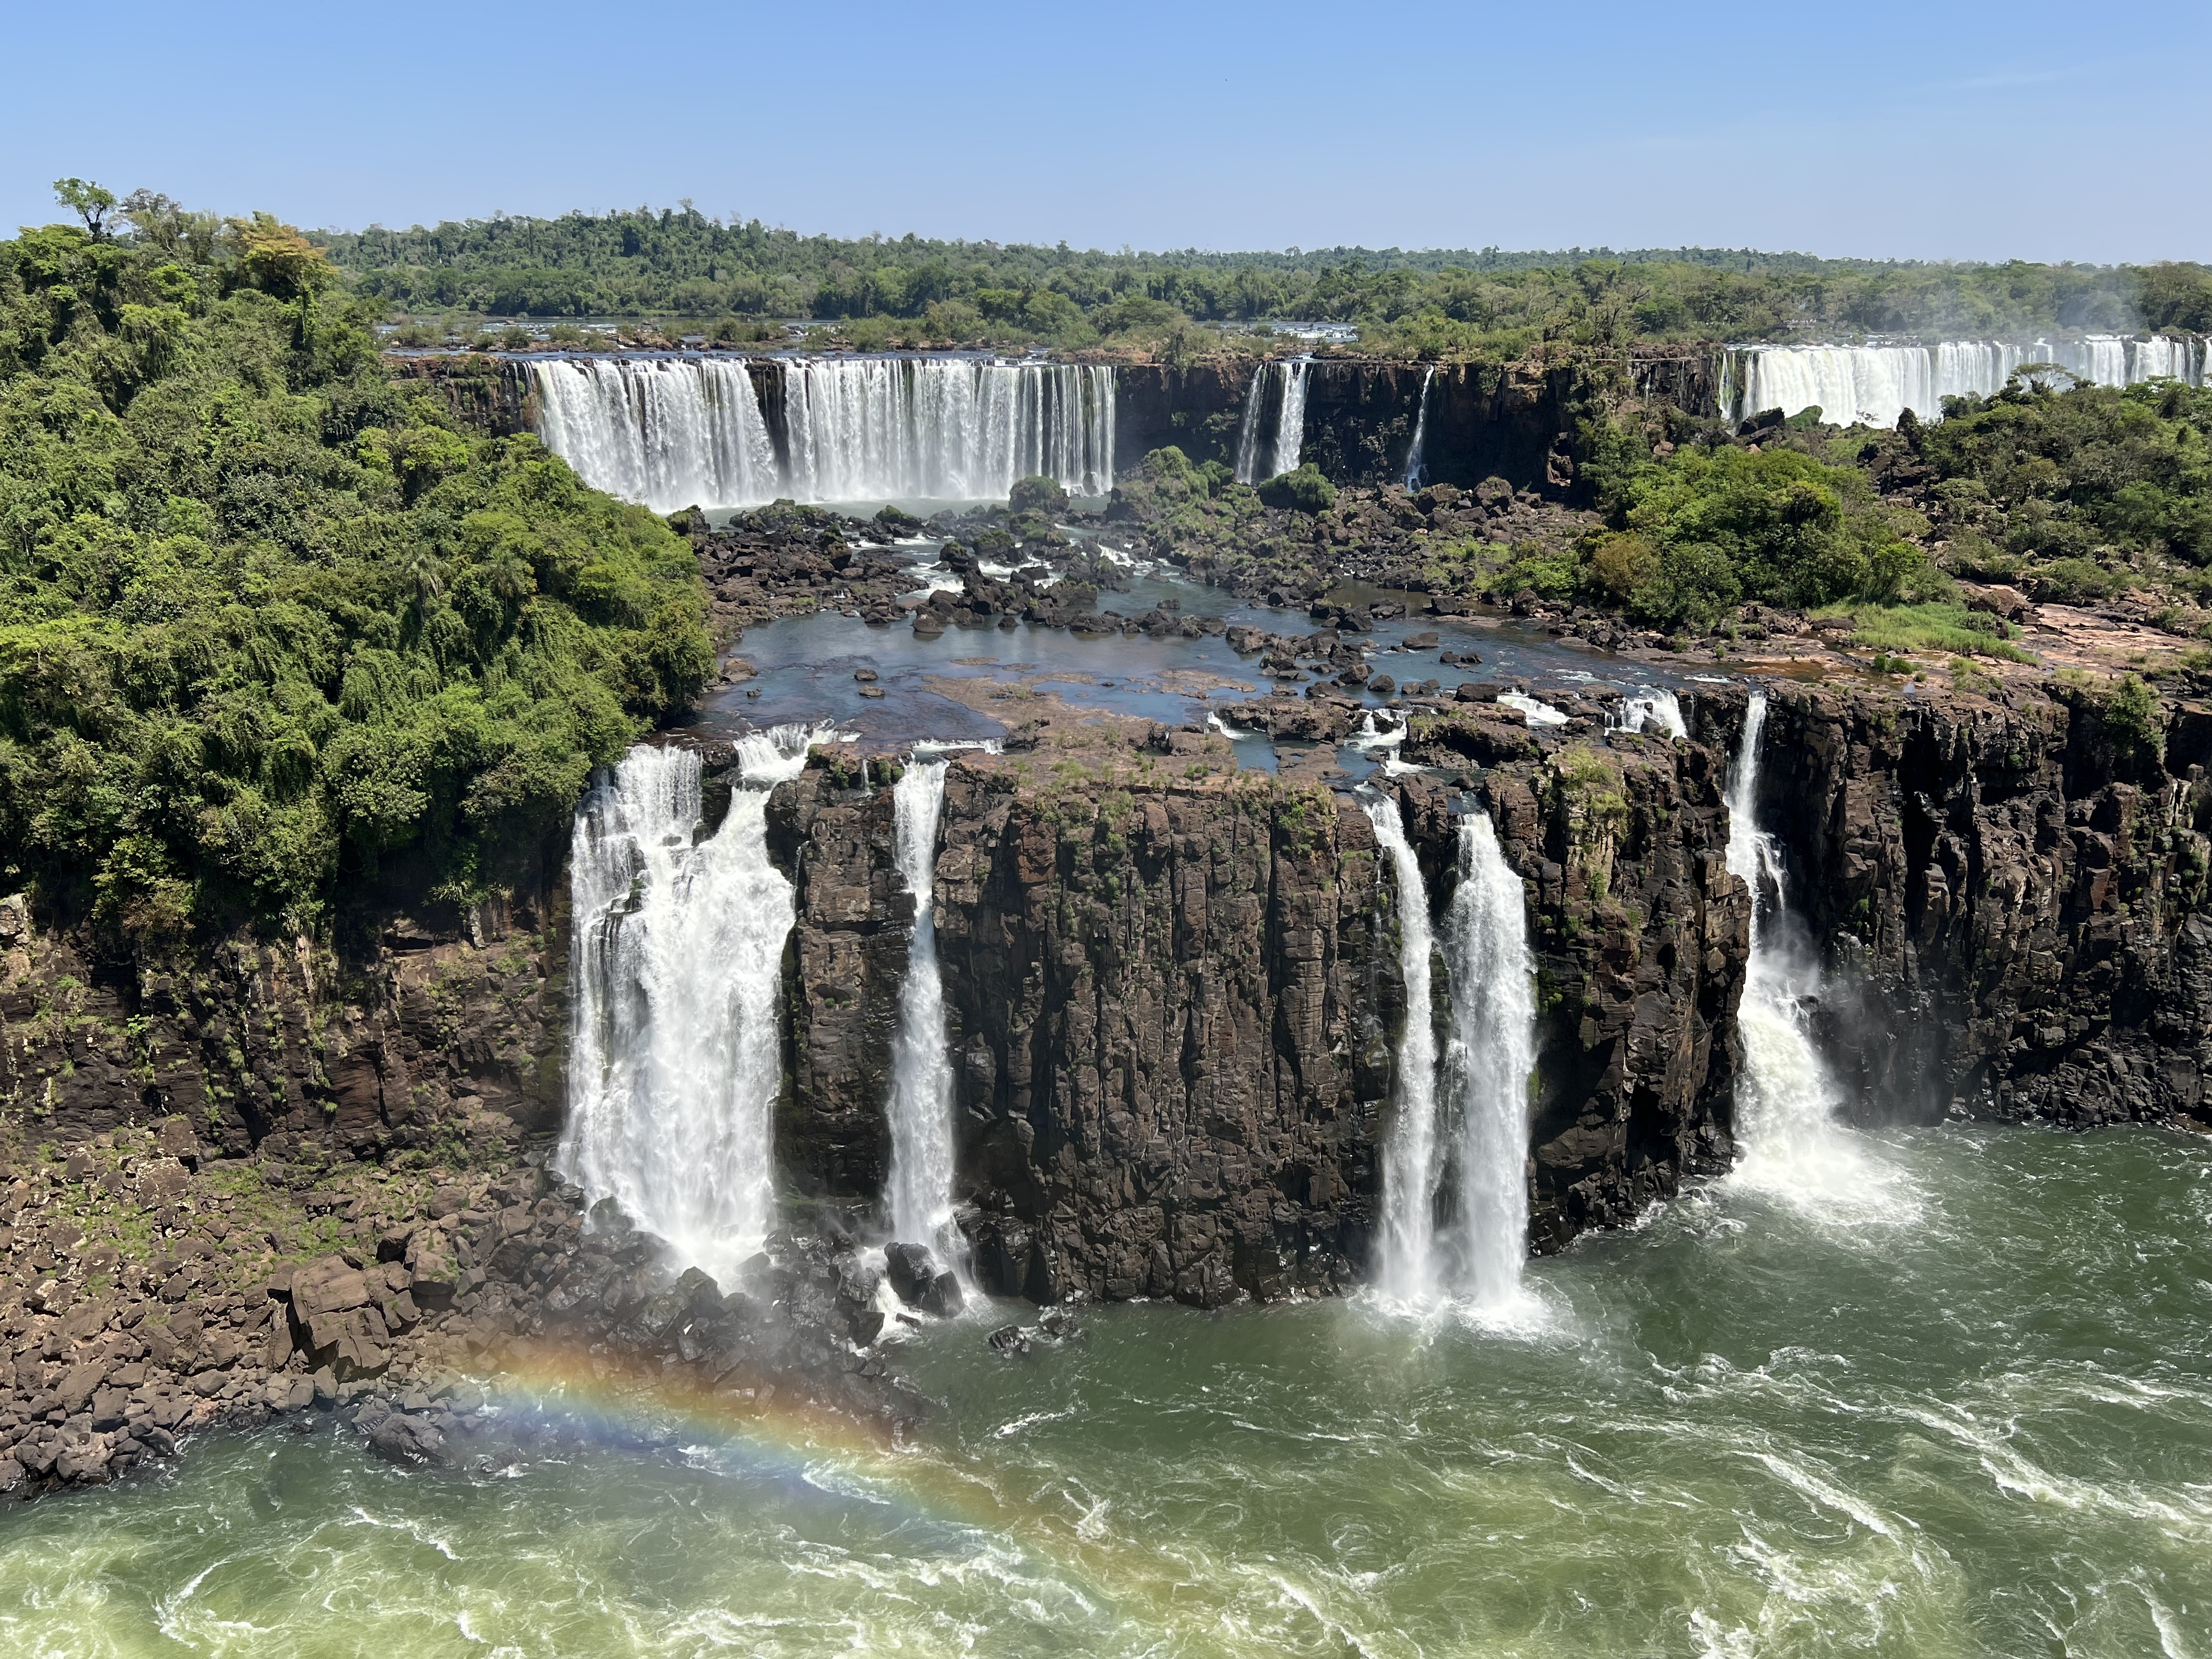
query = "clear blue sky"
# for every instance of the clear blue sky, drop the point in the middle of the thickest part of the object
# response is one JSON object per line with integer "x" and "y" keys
{"x": 1925, "y": 130}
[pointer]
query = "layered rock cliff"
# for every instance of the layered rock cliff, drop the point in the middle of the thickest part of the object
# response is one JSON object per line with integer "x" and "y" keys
{"x": 2009, "y": 893}
{"x": 1174, "y": 1002}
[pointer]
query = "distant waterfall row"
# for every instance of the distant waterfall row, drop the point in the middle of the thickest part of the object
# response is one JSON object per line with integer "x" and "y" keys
{"x": 1876, "y": 384}
{"x": 1280, "y": 387}
{"x": 676, "y": 432}
{"x": 1462, "y": 1114}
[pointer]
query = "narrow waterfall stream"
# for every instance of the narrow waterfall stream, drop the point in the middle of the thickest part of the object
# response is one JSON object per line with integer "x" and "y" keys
{"x": 921, "y": 1069}
{"x": 678, "y": 950}
{"x": 1489, "y": 1061}
{"x": 1291, "y": 423}
{"x": 1249, "y": 456}
{"x": 1257, "y": 459}
{"x": 1785, "y": 1123}
{"x": 1409, "y": 1146}
{"x": 1417, "y": 457}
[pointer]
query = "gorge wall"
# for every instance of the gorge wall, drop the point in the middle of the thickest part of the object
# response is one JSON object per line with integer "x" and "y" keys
{"x": 1174, "y": 1003}
{"x": 2011, "y": 896}
{"x": 1173, "y": 999}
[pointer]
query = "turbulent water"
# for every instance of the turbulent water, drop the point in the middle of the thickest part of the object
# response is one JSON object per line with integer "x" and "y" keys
{"x": 675, "y": 1062}
{"x": 1488, "y": 1062}
{"x": 682, "y": 431}
{"x": 1877, "y": 383}
{"x": 1651, "y": 706}
{"x": 921, "y": 1113}
{"x": 1786, "y": 1101}
{"x": 1409, "y": 1145}
{"x": 1744, "y": 1430}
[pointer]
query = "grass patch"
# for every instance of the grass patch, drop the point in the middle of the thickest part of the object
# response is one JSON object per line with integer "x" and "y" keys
{"x": 1932, "y": 626}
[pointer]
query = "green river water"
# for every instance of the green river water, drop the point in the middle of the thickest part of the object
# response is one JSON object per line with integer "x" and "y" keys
{"x": 1972, "y": 1416}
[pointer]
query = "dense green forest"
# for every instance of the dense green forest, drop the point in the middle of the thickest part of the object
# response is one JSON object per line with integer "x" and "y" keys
{"x": 268, "y": 623}
{"x": 678, "y": 263}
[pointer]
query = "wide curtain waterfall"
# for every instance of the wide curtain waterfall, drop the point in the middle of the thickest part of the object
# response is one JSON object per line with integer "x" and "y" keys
{"x": 1489, "y": 1059}
{"x": 1877, "y": 383}
{"x": 671, "y": 432}
{"x": 1409, "y": 1145}
{"x": 1417, "y": 456}
{"x": 675, "y": 1060}
{"x": 682, "y": 431}
{"x": 1785, "y": 1122}
{"x": 1475, "y": 1092}
{"x": 1259, "y": 455}
{"x": 921, "y": 1069}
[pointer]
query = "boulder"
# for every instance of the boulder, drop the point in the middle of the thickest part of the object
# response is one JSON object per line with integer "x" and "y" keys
{"x": 911, "y": 1271}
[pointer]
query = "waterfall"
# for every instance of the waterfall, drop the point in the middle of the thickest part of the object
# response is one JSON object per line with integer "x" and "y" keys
{"x": 1257, "y": 460}
{"x": 669, "y": 432}
{"x": 1653, "y": 707}
{"x": 1877, "y": 383}
{"x": 921, "y": 1069}
{"x": 1417, "y": 457}
{"x": 1409, "y": 1148}
{"x": 1290, "y": 424}
{"x": 1785, "y": 1123}
{"x": 1248, "y": 428}
{"x": 1489, "y": 1059}
{"x": 675, "y": 1060}
{"x": 682, "y": 432}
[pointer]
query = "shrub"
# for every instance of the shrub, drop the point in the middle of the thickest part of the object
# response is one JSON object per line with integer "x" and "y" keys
{"x": 1305, "y": 490}
{"x": 1038, "y": 495}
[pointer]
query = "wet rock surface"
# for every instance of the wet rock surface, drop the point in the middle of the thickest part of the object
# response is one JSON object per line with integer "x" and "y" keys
{"x": 2009, "y": 893}
{"x": 165, "y": 1307}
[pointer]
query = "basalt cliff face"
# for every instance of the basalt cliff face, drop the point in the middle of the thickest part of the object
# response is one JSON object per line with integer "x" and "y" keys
{"x": 2009, "y": 897}
{"x": 1173, "y": 1005}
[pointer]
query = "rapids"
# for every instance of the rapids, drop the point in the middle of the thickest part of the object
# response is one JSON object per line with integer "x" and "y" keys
{"x": 1743, "y": 1429}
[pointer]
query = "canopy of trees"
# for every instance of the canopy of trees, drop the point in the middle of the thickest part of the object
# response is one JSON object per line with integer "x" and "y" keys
{"x": 681, "y": 263}
{"x": 267, "y": 622}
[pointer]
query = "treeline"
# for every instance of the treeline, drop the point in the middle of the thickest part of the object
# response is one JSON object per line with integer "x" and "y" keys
{"x": 681, "y": 263}
{"x": 270, "y": 626}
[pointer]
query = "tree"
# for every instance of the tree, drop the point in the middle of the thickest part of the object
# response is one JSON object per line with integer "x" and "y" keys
{"x": 93, "y": 204}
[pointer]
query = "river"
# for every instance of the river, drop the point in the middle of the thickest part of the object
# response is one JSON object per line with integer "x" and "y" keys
{"x": 1971, "y": 1416}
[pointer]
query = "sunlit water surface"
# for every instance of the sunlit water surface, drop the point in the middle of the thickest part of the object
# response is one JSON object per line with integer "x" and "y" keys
{"x": 1972, "y": 1418}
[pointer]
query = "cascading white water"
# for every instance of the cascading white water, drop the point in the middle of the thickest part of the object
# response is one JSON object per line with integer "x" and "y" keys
{"x": 1409, "y": 1147}
{"x": 930, "y": 428}
{"x": 1653, "y": 707}
{"x": 921, "y": 1069}
{"x": 1877, "y": 383}
{"x": 1417, "y": 457}
{"x": 1259, "y": 460}
{"x": 1785, "y": 1124}
{"x": 1290, "y": 426}
{"x": 671, "y": 432}
{"x": 682, "y": 432}
{"x": 1489, "y": 1059}
{"x": 674, "y": 1062}
{"x": 1249, "y": 456}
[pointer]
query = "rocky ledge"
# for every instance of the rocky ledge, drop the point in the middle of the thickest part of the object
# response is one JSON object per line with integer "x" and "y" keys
{"x": 155, "y": 1290}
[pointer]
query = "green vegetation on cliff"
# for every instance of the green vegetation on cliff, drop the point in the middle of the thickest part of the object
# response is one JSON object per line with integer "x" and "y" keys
{"x": 268, "y": 623}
